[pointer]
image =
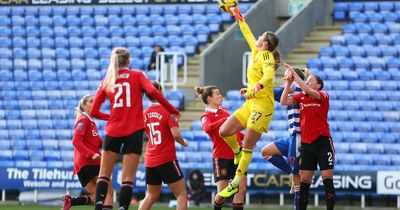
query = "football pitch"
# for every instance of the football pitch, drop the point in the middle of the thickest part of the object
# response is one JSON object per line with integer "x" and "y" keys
{"x": 36, "y": 207}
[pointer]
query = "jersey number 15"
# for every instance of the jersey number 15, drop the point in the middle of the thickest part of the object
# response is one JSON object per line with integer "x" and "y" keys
{"x": 155, "y": 135}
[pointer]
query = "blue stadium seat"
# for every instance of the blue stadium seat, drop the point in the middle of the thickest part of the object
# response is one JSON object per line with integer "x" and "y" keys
{"x": 158, "y": 30}
{"x": 337, "y": 40}
{"x": 25, "y": 104}
{"x": 13, "y": 114}
{"x": 6, "y": 75}
{"x": 22, "y": 164}
{"x": 55, "y": 164}
{"x": 60, "y": 22}
{"x": 175, "y": 40}
{"x": 336, "y": 105}
{"x": 326, "y": 52}
{"x": 391, "y": 148}
{"x": 368, "y": 40}
{"x": 49, "y": 146}
{"x": 5, "y": 11}
{"x": 20, "y": 154}
{"x": 19, "y": 65}
{"x": 351, "y": 39}
{"x": 340, "y": 51}
{"x": 358, "y": 17}
{"x": 342, "y": 148}
{"x": 358, "y": 85}
{"x": 18, "y": 31}
{"x": 340, "y": 85}
{"x": 384, "y": 39}
{"x": 375, "y": 148}
{"x": 343, "y": 159}
{"x": 374, "y": 17}
{"x": 184, "y": 9}
{"x": 200, "y": 19}
{"x": 390, "y": 17}
{"x": 383, "y": 160}
{"x": 19, "y": 53}
{"x": 360, "y": 148}
{"x": 363, "y": 160}
{"x": 173, "y": 30}
{"x": 4, "y": 135}
{"x": 4, "y": 31}
{"x": 369, "y": 137}
{"x": 66, "y": 86}
{"x": 24, "y": 95}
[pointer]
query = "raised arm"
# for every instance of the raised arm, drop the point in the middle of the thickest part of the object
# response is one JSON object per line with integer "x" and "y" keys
{"x": 285, "y": 98}
{"x": 248, "y": 35}
{"x": 153, "y": 92}
{"x": 97, "y": 102}
{"x": 304, "y": 87}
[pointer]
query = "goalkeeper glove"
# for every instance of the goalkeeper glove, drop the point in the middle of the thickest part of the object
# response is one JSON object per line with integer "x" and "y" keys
{"x": 251, "y": 93}
{"x": 235, "y": 11}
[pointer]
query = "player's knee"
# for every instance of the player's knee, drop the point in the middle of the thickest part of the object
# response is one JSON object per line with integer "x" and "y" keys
{"x": 181, "y": 197}
{"x": 265, "y": 153}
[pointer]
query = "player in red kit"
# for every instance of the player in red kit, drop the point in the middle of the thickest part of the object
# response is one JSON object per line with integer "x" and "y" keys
{"x": 316, "y": 142}
{"x": 86, "y": 141}
{"x": 223, "y": 156}
{"x": 124, "y": 129}
{"x": 162, "y": 130}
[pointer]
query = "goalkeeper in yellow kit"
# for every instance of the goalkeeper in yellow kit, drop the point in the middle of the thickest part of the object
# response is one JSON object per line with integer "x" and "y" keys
{"x": 256, "y": 113}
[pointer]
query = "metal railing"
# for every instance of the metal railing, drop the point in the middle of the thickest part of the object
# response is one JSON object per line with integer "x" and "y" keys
{"x": 246, "y": 58}
{"x": 167, "y": 72}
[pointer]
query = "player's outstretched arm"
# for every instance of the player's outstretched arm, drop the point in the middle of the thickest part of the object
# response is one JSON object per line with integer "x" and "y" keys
{"x": 309, "y": 91}
{"x": 246, "y": 31}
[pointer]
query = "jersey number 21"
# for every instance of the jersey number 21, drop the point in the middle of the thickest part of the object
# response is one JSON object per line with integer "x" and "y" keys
{"x": 118, "y": 99}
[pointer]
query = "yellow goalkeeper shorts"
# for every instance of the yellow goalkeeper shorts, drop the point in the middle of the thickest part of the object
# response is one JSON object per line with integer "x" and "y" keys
{"x": 255, "y": 114}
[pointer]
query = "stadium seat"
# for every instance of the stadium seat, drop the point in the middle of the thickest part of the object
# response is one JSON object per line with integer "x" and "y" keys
{"x": 22, "y": 164}
{"x": 20, "y": 155}
{"x": 391, "y": 148}
{"x": 375, "y": 148}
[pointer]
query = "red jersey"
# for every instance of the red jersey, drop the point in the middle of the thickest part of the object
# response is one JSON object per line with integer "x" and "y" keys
{"x": 161, "y": 145}
{"x": 126, "y": 108}
{"x": 211, "y": 120}
{"x": 313, "y": 116}
{"x": 86, "y": 141}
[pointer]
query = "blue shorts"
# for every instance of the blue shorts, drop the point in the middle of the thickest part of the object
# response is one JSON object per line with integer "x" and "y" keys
{"x": 289, "y": 148}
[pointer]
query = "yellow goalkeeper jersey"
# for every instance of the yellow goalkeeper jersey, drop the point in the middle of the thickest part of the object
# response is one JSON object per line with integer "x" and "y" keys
{"x": 261, "y": 68}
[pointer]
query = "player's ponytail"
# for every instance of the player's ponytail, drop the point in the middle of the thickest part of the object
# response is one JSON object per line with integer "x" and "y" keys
{"x": 79, "y": 109}
{"x": 205, "y": 92}
{"x": 277, "y": 58}
{"x": 273, "y": 42}
{"x": 119, "y": 58}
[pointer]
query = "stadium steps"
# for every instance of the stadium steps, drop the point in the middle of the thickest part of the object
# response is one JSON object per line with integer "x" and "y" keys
{"x": 192, "y": 112}
{"x": 310, "y": 46}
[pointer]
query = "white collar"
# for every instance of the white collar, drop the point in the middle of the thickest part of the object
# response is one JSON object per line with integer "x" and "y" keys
{"x": 154, "y": 104}
{"x": 212, "y": 110}
{"x": 88, "y": 116}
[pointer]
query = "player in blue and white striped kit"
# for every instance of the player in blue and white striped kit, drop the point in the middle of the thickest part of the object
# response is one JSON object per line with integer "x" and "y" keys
{"x": 288, "y": 147}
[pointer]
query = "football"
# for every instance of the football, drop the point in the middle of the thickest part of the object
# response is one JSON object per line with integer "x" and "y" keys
{"x": 225, "y": 5}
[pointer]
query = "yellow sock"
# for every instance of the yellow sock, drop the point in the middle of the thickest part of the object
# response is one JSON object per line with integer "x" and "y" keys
{"x": 232, "y": 142}
{"x": 242, "y": 167}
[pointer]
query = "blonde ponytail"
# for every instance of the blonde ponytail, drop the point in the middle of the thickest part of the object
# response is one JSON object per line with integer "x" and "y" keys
{"x": 79, "y": 109}
{"x": 119, "y": 58}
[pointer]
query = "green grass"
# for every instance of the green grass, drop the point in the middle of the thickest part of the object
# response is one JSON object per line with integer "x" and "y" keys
{"x": 36, "y": 207}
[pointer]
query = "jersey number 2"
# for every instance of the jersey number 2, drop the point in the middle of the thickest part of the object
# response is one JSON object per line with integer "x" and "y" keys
{"x": 118, "y": 100}
{"x": 155, "y": 135}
